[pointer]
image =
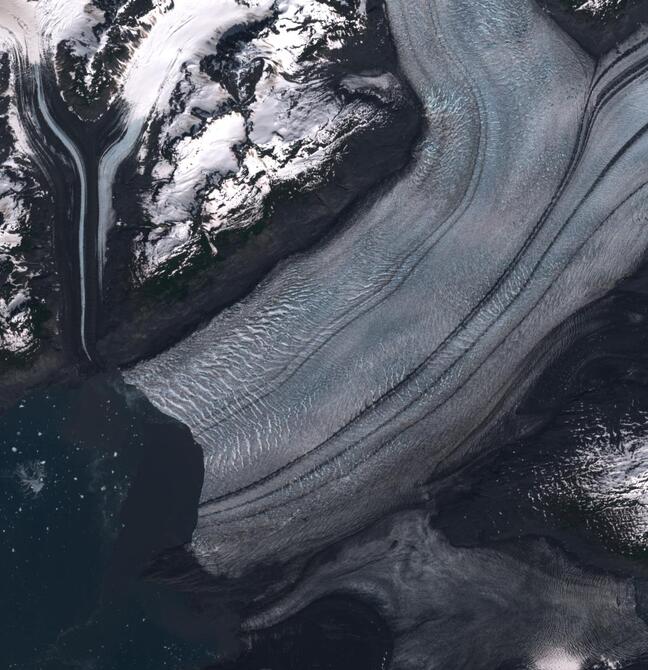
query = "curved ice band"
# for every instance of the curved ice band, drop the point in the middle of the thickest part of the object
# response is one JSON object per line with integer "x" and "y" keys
{"x": 358, "y": 371}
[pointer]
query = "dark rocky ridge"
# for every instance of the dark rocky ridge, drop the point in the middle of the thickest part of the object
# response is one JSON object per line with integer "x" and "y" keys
{"x": 139, "y": 321}
{"x": 90, "y": 98}
{"x": 597, "y": 34}
{"x": 30, "y": 265}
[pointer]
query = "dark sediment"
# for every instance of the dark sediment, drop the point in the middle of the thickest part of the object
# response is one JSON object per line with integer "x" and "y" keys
{"x": 334, "y": 632}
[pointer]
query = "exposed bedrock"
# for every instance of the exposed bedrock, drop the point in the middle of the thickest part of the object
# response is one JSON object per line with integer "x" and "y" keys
{"x": 186, "y": 152}
{"x": 357, "y": 372}
{"x": 265, "y": 138}
{"x": 31, "y": 343}
{"x": 598, "y": 25}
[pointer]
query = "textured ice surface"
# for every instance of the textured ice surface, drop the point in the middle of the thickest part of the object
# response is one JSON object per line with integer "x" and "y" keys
{"x": 220, "y": 110}
{"x": 31, "y": 476}
{"x": 40, "y": 26}
{"x": 334, "y": 359}
{"x": 358, "y": 371}
{"x": 452, "y": 607}
{"x": 73, "y": 21}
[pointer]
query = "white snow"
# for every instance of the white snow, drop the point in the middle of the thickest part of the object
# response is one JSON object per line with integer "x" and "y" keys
{"x": 200, "y": 93}
{"x": 198, "y": 157}
{"x": 9, "y": 240}
{"x": 38, "y": 27}
{"x": 291, "y": 118}
{"x": 12, "y": 212}
{"x": 16, "y": 328}
{"x": 558, "y": 659}
{"x": 176, "y": 36}
{"x": 598, "y": 6}
{"x": 164, "y": 243}
{"x": 236, "y": 202}
{"x": 382, "y": 83}
{"x": 616, "y": 477}
{"x": 72, "y": 21}
{"x": 182, "y": 33}
{"x": 18, "y": 27}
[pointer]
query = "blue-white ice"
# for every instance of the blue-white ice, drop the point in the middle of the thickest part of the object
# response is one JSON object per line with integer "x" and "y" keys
{"x": 359, "y": 370}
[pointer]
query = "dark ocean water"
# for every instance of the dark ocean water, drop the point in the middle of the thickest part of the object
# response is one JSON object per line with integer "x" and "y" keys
{"x": 95, "y": 484}
{"x": 71, "y": 550}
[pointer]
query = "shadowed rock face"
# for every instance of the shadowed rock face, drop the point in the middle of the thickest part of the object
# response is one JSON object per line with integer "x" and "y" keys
{"x": 597, "y": 25}
{"x": 25, "y": 224}
{"x": 362, "y": 369}
{"x": 30, "y": 277}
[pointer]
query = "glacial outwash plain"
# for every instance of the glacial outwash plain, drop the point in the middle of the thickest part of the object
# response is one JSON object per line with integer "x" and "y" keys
{"x": 324, "y": 334}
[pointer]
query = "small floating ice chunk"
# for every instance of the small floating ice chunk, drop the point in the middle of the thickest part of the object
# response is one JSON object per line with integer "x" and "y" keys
{"x": 31, "y": 476}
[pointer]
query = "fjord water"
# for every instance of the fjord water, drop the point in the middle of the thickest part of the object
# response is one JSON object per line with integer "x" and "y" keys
{"x": 61, "y": 520}
{"x": 93, "y": 484}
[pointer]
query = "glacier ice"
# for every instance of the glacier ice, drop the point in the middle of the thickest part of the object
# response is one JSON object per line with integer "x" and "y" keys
{"x": 357, "y": 372}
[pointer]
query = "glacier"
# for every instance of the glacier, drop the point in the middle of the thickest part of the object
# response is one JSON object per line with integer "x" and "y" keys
{"x": 359, "y": 372}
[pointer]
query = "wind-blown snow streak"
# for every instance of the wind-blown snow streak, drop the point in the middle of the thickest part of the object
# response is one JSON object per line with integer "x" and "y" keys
{"x": 358, "y": 371}
{"x": 18, "y": 22}
{"x": 38, "y": 27}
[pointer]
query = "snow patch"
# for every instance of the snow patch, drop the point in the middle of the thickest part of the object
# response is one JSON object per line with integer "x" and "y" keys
{"x": 181, "y": 34}
{"x": 558, "y": 659}
{"x": 598, "y": 7}
{"x": 72, "y": 21}
{"x": 291, "y": 120}
{"x": 197, "y": 159}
